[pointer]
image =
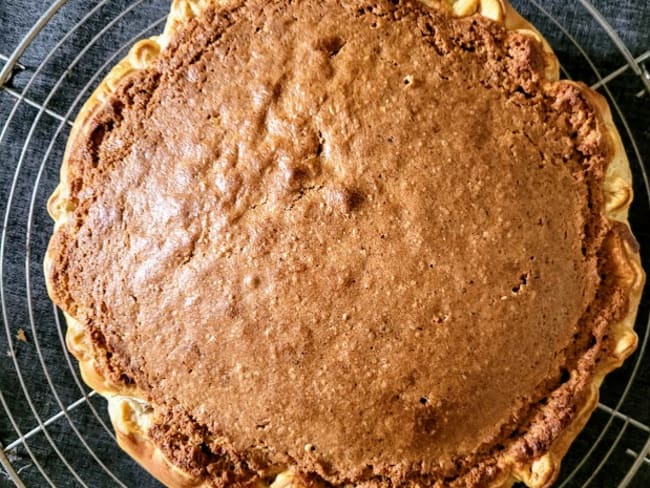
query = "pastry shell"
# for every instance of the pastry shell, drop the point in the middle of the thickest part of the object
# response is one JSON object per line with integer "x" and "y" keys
{"x": 132, "y": 416}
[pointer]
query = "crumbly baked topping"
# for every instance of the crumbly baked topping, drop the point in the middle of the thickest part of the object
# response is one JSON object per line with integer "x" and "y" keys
{"x": 364, "y": 240}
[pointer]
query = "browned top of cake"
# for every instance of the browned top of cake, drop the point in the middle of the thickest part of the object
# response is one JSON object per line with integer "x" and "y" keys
{"x": 359, "y": 238}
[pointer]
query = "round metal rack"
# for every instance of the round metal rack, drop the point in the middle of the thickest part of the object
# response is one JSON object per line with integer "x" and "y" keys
{"x": 54, "y": 430}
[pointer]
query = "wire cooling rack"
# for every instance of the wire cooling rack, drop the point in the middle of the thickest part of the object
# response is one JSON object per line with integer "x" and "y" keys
{"x": 54, "y": 430}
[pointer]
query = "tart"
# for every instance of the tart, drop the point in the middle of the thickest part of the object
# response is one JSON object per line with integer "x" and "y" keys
{"x": 328, "y": 243}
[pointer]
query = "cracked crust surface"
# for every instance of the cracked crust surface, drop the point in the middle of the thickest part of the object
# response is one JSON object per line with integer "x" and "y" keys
{"x": 183, "y": 445}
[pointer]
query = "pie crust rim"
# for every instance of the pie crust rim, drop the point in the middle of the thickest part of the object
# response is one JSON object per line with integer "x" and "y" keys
{"x": 131, "y": 416}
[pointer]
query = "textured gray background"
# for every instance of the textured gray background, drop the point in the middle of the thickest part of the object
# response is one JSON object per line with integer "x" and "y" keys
{"x": 30, "y": 142}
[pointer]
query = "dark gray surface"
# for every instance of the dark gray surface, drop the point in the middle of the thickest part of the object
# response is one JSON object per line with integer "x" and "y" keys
{"x": 630, "y": 18}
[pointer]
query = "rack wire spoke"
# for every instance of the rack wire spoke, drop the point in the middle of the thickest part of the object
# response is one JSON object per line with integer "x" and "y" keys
{"x": 626, "y": 418}
{"x": 620, "y": 71}
{"x": 51, "y": 420}
{"x": 5, "y": 59}
{"x": 36, "y": 105}
{"x": 630, "y": 452}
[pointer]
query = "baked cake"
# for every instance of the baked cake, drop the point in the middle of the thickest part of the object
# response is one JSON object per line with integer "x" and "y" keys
{"x": 361, "y": 243}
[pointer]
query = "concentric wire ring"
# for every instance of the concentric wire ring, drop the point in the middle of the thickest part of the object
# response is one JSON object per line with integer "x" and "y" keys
{"x": 157, "y": 24}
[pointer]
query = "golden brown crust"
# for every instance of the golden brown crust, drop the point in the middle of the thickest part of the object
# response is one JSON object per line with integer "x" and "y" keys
{"x": 617, "y": 188}
{"x": 130, "y": 421}
{"x": 131, "y": 417}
